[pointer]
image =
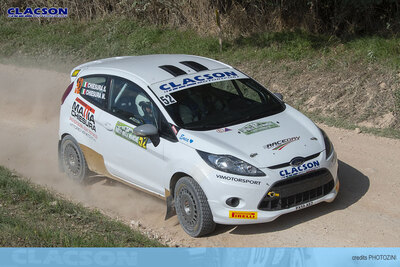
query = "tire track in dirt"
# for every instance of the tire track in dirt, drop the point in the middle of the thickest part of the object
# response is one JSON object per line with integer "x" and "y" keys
{"x": 365, "y": 213}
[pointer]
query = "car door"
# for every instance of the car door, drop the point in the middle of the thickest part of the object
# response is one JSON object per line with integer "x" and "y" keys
{"x": 134, "y": 159}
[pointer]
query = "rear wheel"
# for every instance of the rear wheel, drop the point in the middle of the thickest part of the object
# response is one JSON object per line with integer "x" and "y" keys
{"x": 192, "y": 208}
{"x": 73, "y": 160}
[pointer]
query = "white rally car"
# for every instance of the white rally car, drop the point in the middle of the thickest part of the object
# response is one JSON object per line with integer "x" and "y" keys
{"x": 211, "y": 141}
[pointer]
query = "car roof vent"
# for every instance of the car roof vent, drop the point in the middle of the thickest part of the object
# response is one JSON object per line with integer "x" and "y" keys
{"x": 194, "y": 65}
{"x": 175, "y": 71}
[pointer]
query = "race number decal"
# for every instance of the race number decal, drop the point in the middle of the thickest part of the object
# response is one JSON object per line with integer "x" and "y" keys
{"x": 142, "y": 142}
{"x": 167, "y": 100}
{"x": 78, "y": 86}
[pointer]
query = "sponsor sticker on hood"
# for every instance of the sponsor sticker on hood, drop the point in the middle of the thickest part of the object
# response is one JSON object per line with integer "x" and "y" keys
{"x": 280, "y": 144}
{"x": 223, "y": 130}
{"x": 255, "y": 127}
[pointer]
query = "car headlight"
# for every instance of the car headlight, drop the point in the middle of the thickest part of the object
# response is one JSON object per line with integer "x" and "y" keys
{"x": 328, "y": 144}
{"x": 230, "y": 164}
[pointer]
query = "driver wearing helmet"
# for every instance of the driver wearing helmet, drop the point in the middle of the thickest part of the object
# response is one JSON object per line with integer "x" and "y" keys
{"x": 148, "y": 116}
{"x": 145, "y": 109}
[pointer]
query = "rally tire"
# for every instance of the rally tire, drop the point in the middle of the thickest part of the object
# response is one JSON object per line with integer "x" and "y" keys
{"x": 192, "y": 208}
{"x": 72, "y": 160}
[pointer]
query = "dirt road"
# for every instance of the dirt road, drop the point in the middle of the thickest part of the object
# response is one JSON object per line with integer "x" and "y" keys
{"x": 366, "y": 212}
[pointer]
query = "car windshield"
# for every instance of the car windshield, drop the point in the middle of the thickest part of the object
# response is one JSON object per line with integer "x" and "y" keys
{"x": 221, "y": 104}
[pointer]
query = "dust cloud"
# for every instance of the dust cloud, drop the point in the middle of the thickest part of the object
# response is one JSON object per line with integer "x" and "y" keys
{"x": 29, "y": 116}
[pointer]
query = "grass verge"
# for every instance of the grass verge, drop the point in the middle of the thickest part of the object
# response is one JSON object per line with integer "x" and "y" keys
{"x": 361, "y": 75}
{"x": 32, "y": 216}
{"x": 80, "y": 41}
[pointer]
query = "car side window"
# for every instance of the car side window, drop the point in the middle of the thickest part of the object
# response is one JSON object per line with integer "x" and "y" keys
{"x": 249, "y": 93}
{"x": 93, "y": 89}
{"x": 129, "y": 102}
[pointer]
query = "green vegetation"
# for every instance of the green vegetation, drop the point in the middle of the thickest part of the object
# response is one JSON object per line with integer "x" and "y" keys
{"x": 241, "y": 17}
{"x": 82, "y": 41}
{"x": 33, "y": 216}
{"x": 295, "y": 60}
{"x": 79, "y": 41}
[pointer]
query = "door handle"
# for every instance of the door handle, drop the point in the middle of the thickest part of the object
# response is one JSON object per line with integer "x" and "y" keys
{"x": 106, "y": 125}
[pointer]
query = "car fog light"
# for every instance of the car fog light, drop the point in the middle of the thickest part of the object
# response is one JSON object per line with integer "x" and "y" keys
{"x": 232, "y": 201}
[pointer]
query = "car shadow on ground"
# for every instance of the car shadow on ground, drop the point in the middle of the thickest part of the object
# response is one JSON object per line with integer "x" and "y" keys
{"x": 353, "y": 186}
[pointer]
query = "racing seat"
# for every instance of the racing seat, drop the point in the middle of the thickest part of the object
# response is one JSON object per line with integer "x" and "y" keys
{"x": 126, "y": 104}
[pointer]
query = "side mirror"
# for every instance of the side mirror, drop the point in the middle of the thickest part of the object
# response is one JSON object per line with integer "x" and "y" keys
{"x": 148, "y": 130}
{"x": 278, "y": 95}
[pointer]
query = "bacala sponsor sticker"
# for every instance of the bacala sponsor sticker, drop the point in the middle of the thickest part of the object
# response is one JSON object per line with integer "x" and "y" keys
{"x": 280, "y": 144}
{"x": 255, "y": 127}
{"x": 126, "y": 132}
{"x": 252, "y": 215}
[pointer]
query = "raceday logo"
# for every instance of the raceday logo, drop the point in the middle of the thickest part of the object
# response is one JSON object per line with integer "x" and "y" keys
{"x": 280, "y": 144}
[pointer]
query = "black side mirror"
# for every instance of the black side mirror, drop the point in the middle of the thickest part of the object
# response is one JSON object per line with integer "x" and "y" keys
{"x": 278, "y": 95}
{"x": 148, "y": 130}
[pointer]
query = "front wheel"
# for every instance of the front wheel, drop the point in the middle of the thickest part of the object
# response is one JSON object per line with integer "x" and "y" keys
{"x": 192, "y": 208}
{"x": 73, "y": 160}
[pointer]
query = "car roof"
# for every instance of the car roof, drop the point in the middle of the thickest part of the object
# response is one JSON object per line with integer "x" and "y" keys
{"x": 156, "y": 68}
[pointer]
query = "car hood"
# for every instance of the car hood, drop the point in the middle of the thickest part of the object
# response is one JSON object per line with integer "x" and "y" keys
{"x": 264, "y": 142}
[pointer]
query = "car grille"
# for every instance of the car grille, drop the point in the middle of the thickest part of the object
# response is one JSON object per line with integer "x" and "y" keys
{"x": 297, "y": 190}
{"x": 287, "y": 164}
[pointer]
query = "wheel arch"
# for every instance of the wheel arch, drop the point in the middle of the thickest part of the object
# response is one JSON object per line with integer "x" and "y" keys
{"x": 174, "y": 179}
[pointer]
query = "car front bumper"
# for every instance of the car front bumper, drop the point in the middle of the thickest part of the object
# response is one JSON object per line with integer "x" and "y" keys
{"x": 251, "y": 191}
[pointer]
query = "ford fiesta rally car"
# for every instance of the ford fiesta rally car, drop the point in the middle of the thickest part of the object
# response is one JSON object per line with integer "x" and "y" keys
{"x": 211, "y": 141}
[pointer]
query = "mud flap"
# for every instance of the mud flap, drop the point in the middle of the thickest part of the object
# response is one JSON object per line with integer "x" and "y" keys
{"x": 170, "y": 205}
